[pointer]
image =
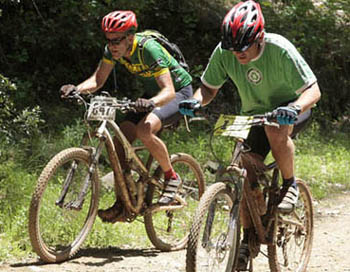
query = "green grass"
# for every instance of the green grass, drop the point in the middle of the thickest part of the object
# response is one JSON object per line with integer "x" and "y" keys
{"x": 322, "y": 160}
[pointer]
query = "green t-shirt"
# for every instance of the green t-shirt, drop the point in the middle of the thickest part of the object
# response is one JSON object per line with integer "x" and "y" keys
{"x": 278, "y": 75}
{"x": 156, "y": 61}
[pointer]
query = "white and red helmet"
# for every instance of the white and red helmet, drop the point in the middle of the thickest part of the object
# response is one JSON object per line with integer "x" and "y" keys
{"x": 242, "y": 26}
{"x": 119, "y": 21}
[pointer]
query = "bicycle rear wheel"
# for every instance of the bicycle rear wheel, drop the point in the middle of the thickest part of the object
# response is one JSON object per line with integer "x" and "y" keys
{"x": 215, "y": 233}
{"x": 294, "y": 236}
{"x": 168, "y": 230}
{"x": 57, "y": 231}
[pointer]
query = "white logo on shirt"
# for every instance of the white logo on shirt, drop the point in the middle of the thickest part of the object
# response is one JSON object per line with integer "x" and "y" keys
{"x": 254, "y": 76}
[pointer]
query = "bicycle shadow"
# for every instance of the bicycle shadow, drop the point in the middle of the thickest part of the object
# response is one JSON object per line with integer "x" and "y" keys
{"x": 96, "y": 257}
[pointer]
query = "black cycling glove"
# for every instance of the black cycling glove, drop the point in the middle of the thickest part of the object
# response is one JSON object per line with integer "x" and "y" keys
{"x": 67, "y": 89}
{"x": 144, "y": 105}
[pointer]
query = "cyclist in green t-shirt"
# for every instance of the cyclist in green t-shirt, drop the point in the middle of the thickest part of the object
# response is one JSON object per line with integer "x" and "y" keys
{"x": 166, "y": 83}
{"x": 270, "y": 75}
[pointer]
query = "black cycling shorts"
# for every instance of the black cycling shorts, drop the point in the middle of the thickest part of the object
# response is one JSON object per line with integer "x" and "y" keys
{"x": 257, "y": 139}
{"x": 169, "y": 113}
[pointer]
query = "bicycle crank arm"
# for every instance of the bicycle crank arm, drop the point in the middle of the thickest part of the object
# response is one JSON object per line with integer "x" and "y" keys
{"x": 157, "y": 207}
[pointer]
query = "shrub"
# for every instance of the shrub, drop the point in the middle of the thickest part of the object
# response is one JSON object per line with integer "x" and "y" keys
{"x": 16, "y": 125}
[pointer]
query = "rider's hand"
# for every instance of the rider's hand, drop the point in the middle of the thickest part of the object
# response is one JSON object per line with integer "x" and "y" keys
{"x": 287, "y": 115}
{"x": 67, "y": 89}
{"x": 144, "y": 105}
{"x": 187, "y": 107}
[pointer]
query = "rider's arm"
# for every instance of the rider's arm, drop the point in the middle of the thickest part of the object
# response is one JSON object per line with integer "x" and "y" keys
{"x": 167, "y": 90}
{"x": 205, "y": 94}
{"x": 97, "y": 79}
{"x": 309, "y": 97}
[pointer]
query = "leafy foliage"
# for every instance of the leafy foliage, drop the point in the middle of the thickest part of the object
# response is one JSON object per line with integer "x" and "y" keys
{"x": 15, "y": 125}
{"x": 320, "y": 30}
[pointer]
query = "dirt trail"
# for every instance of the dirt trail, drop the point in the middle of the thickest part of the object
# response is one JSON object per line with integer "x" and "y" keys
{"x": 330, "y": 251}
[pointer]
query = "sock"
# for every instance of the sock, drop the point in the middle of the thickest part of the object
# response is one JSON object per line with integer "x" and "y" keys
{"x": 289, "y": 182}
{"x": 170, "y": 174}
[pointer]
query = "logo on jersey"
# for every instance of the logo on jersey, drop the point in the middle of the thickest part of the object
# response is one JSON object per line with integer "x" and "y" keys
{"x": 254, "y": 76}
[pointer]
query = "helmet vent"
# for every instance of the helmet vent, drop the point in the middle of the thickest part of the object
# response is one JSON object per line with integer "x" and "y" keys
{"x": 120, "y": 24}
{"x": 243, "y": 18}
{"x": 119, "y": 21}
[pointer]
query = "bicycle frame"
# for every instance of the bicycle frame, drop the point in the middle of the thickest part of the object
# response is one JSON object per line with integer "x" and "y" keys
{"x": 132, "y": 205}
{"x": 212, "y": 246}
{"x": 132, "y": 193}
{"x": 261, "y": 224}
{"x": 266, "y": 225}
{"x": 67, "y": 193}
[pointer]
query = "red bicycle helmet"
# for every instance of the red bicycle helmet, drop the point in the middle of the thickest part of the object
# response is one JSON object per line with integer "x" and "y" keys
{"x": 119, "y": 21}
{"x": 242, "y": 26}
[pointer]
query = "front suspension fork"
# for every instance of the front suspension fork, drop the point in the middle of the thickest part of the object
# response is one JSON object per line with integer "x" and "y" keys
{"x": 78, "y": 204}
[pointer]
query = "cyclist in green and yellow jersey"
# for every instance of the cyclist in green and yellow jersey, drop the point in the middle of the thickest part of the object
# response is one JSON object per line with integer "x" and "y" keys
{"x": 166, "y": 83}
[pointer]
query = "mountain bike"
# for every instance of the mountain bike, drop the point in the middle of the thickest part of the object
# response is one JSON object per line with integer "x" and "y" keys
{"x": 214, "y": 237}
{"x": 65, "y": 201}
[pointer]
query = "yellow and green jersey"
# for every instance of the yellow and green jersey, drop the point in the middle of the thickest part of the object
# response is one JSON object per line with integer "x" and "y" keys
{"x": 150, "y": 62}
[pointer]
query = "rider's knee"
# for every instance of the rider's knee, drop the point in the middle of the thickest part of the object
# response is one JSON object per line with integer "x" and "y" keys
{"x": 279, "y": 137}
{"x": 144, "y": 132}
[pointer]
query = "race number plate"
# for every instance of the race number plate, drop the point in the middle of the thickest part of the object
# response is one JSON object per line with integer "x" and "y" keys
{"x": 101, "y": 108}
{"x": 233, "y": 126}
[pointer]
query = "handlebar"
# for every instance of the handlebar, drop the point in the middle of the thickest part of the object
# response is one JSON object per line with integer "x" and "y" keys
{"x": 124, "y": 105}
{"x": 238, "y": 129}
{"x": 268, "y": 118}
{"x": 200, "y": 113}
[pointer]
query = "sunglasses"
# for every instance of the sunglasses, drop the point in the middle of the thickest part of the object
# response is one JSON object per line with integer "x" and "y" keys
{"x": 115, "y": 41}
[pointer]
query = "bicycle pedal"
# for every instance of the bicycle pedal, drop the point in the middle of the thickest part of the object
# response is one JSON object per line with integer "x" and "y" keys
{"x": 73, "y": 205}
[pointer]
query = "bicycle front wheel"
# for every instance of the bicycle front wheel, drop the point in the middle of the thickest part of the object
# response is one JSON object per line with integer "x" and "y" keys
{"x": 215, "y": 233}
{"x": 168, "y": 230}
{"x": 56, "y": 229}
{"x": 294, "y": 236}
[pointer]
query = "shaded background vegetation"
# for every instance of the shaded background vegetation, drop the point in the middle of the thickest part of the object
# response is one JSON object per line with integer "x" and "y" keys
{"x": 45, "y": 44}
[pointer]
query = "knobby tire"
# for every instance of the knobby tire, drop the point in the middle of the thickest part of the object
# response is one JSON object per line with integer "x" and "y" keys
{"x": 56, "y": 233}
{"x": 294, "y": 244}
{"x": 166, "y": 230}
{"x": 208, "y": 248}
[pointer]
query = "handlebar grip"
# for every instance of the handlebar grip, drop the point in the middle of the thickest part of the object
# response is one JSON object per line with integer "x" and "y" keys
{"x": 132, "y": 104}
